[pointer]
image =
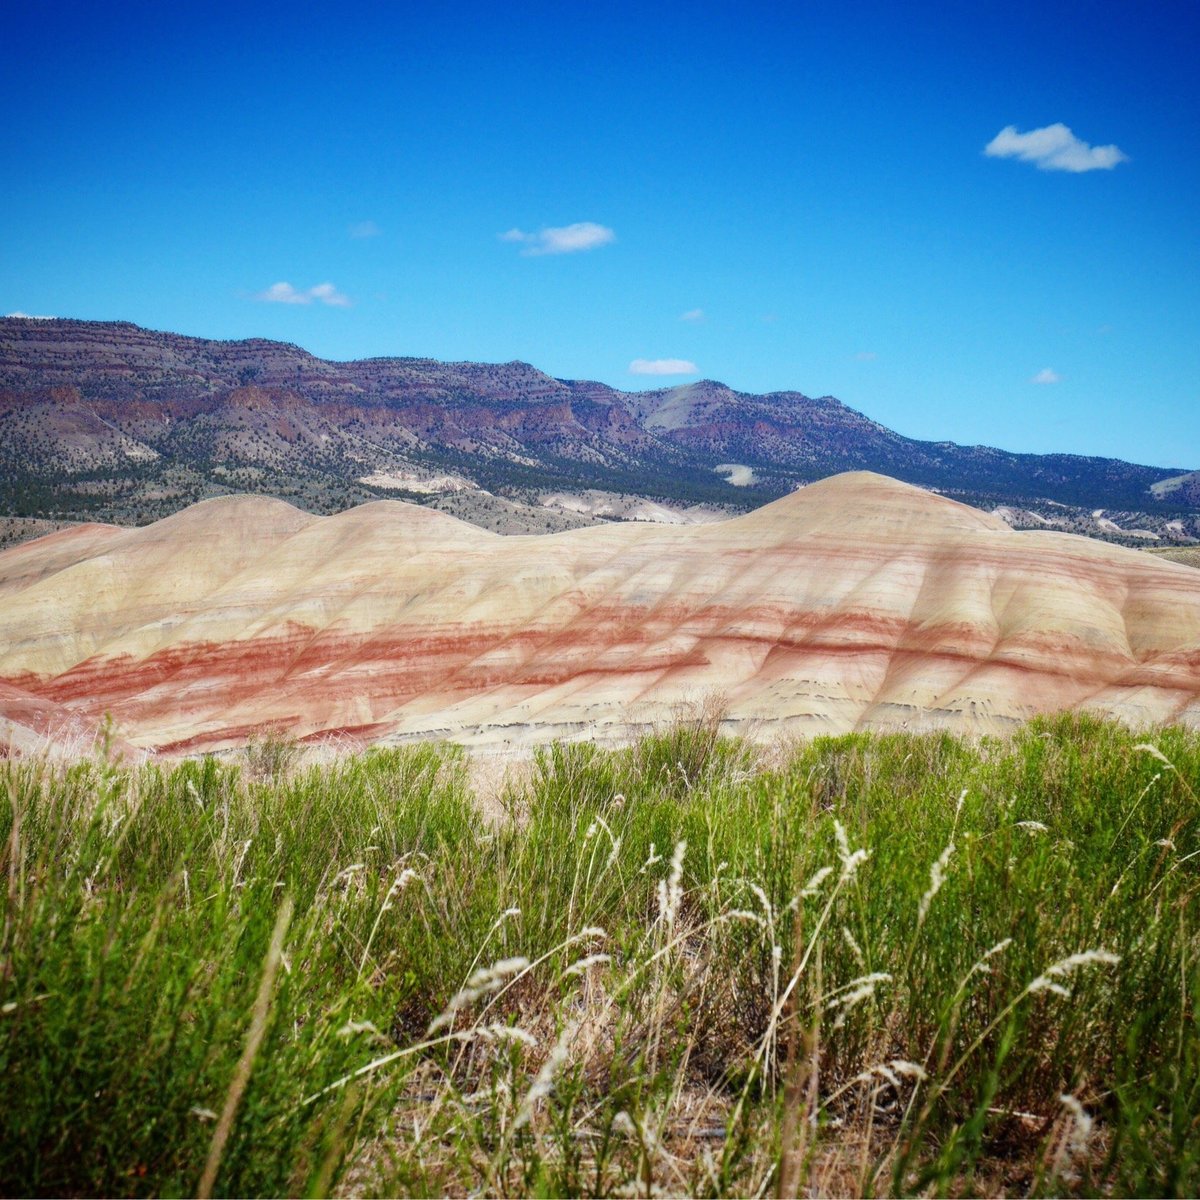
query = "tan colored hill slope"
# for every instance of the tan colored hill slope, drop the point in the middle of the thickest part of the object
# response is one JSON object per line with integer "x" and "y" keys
{"x": 858, "y": 602}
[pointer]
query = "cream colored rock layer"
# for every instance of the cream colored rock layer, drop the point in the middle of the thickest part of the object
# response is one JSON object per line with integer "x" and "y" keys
{"x": 858, "y": 602}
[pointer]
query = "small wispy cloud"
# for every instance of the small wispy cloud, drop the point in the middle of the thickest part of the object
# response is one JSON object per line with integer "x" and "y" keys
{"x": 365, "y": 229}
{"x": 24, "y": 316}
{"x": 284, "y": 293}
{"x": 328, "y": 294}
{"x": 1047, "y": 375}
{"x": 563, "y": 239}
{"x": 662, "y": 366}
{"x": 693, "y": 315}
{"x": 1053, "y": 148}
{"x": 866, "y": 356}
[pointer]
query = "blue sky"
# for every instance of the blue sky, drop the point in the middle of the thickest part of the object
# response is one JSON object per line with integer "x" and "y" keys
{"x": 780, "y": 197}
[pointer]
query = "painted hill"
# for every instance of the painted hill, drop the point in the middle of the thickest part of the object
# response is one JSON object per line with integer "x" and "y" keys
{"x": 858, "y": 602}
{"x": 108, "y": 421}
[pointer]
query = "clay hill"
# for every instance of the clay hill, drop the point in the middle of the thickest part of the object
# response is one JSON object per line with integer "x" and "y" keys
{"x": 112, "y": 422}
{"x": 855, "y": 603}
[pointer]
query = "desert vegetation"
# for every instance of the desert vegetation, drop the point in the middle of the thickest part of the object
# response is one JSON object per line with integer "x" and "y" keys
{"x": 859, "y": 965}
{"x": 1188, "y": 555}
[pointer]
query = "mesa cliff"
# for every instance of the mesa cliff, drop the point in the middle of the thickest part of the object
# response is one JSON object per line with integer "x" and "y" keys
{"x": 854, "y": 603}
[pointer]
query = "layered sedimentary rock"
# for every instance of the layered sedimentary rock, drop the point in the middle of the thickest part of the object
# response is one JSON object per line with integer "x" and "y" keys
{"x": 855, "y": 603}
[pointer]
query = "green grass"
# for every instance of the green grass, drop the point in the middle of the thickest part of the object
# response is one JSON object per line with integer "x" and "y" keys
{"x": 670, "y": 967}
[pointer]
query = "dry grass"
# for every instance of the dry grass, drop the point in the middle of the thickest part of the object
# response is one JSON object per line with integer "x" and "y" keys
{"x": 1188, "y": 555}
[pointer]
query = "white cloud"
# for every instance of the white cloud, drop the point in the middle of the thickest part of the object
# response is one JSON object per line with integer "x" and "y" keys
{"x": 328, "y": 294}
{"x": 284, "y": 293}
{"x": 1047, "y": 375}
{"x": 563, "y": 239}
{"x": 662, "y": 366}
{"x": 24, "y": 316}
{"x": 1053, "y": 148}
{"x": 866, "y": 356}
{"x": 365, "y": 229}
{"x": 693, "y": 315}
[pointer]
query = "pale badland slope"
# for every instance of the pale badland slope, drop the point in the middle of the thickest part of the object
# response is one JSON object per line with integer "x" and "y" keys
{"x": 856, "y": 603}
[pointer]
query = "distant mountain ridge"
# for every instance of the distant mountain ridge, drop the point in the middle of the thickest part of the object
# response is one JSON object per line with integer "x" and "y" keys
{"x": 124, "y": 423}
